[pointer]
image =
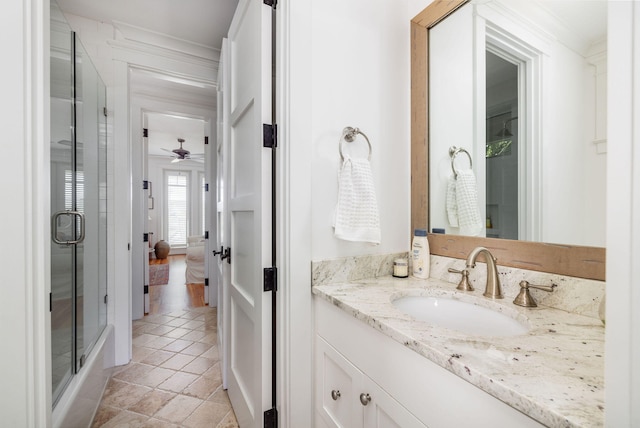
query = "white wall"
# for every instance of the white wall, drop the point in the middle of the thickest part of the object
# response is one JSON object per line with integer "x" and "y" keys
{"x": 360, "y": 78}
{"x": 25, "y": 397}
{"x": 622, "y": 344}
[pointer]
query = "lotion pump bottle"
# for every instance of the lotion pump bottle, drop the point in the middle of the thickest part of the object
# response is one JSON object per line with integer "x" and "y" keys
{"x": 420, "y": 254}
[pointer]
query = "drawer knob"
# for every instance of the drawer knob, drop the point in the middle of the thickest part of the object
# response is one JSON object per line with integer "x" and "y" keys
{"x": 335, "y": 394}
{"x": 365, "y": 399}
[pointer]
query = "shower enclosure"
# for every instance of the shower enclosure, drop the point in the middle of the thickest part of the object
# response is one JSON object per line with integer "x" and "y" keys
{"x": 78, "y": 300}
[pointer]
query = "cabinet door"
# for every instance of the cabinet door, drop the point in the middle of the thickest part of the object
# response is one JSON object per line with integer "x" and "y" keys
{"x": 338, "y": 387}
{"x": 383, "y": 411}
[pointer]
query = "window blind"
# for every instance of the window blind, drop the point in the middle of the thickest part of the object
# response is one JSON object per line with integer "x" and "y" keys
{"x": 177, "y": 208}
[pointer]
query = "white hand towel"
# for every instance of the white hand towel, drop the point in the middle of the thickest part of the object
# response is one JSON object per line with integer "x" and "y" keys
{"x": 356, "y": 216}
{"x": 467, "y": 203}
{"x": 462, "y": 204}
{"x": 452, "y": 204}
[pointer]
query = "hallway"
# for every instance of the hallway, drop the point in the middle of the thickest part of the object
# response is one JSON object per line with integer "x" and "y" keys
{"x": 173, "y": 379}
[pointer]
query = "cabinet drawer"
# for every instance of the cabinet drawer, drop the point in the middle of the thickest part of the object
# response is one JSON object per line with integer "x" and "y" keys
{"x": 337, "y": 383}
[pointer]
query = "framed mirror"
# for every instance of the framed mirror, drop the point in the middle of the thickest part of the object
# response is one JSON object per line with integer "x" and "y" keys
{"x": 430, "y": 147}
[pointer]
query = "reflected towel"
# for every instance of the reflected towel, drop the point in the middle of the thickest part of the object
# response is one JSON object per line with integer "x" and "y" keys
{"x": 356, "y": 216}
{"x": 462, "y": 204}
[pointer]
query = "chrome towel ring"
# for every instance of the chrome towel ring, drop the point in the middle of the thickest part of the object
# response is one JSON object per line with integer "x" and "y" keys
{"x": 349, "y": 134}
{"x": 453, "y": 152}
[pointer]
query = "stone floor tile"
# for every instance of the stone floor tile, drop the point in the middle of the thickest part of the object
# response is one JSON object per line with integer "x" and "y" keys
{"x": 178, "y": 409}
{"x": 156, "y": 376}
{"x": 158, "y": 357}
{"x": 151, "y": 402}
{"x": 212, "y": 354}
{"x": 178, "y": 361}
{"x": 104, "y": 415}
{"x": 140, "y": 353}
{"x": 229, "y": 421}
{"x": 194, "y": 335}
{"x": 133, "y": 372}
{"x": 178, "y": 345}
{"x": 209, "y": 414}
{"x": 203, "y": 387}
{"x": 126, "y": 419}
{"x": 196, "y": 349}
{"x": 178, "y": 382}
{"x": 199, "y": 365}
{"x": 178, "y": 333}
{"x": 159, "y": 342}
{"x": 121, "y": 394}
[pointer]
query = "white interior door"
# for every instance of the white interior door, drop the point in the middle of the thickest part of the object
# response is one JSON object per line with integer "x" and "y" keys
{"x": 222, "y": 231}
{"x": 249, "y": 207}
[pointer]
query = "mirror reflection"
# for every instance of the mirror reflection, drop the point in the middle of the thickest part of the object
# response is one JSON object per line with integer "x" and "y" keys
{"x": 531, "y": 114}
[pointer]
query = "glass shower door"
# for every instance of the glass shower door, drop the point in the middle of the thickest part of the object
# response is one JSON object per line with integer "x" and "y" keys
{"x": 63, "y": 199}
{"x": 78, "y": 204}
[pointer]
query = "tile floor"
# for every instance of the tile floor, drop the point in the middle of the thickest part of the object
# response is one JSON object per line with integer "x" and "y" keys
{"x": 173, "y": 379}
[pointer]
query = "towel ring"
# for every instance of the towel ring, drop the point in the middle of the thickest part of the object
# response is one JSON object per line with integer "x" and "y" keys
{"x": 453, "y": 152}
{"x": 349, "y": 135}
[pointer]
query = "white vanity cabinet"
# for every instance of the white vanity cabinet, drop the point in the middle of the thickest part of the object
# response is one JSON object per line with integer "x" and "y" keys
{"x": 406, "y": 389}
{"x": 346, "y": 397}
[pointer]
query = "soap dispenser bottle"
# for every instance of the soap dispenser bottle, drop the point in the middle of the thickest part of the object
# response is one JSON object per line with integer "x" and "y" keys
{"x": 420, "y": 254}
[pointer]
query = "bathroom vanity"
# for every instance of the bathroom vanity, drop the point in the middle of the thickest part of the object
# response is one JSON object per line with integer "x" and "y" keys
{"x": 377, "y": 366}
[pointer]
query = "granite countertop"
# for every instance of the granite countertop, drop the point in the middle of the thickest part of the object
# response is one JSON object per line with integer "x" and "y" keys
{"x": 554, "y": 373}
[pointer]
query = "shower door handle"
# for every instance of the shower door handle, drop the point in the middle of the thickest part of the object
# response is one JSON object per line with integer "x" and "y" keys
{"x": 54, "y": 227}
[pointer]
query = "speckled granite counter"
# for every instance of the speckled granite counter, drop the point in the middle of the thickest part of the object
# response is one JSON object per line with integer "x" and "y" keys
{"x": 554, "y": 373}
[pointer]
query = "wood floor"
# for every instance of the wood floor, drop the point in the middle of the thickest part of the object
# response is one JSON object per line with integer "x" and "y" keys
{"x": 176, "y": 295}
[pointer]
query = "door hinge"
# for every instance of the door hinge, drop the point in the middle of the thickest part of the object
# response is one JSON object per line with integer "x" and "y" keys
{"x": 83, "y": 360}
{"x": 106, "y": 299}
{"x": 206, "y": 139}
{"x": 271, "y": 279}
{"x": 206, "y": 187}
{"x": 50, "y": 302}
{"x": 145, "y": 132}
{"x": 145, "y": 237}
{"x": 271, "y": 3}
{"x": 146, "y": 289}
{"x": 145, "y": 184}
{"x": 206, "y": 281}
{"x": 271, "y": 418}
{"x": 105, "y": 112}
{"x": 270, "y": 136}
{"x": 206, "y": 234}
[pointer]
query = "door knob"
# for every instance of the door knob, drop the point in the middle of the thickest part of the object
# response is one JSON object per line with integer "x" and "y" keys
{"x": 335, "y": 394}
{"x": 365, "y": 399}
{"x": 226, "y": 255}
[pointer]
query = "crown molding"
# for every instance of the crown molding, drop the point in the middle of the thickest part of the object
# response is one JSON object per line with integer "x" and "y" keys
{"x": 131, "y": 33}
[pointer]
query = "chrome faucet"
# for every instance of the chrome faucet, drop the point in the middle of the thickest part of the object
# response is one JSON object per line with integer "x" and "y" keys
{"x": 493, "y": 289}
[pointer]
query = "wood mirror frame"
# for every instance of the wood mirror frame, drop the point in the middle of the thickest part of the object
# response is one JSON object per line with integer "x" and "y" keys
{"x": 570, "y": 260}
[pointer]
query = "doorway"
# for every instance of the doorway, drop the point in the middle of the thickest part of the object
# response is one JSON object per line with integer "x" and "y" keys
{"x": 169, "y": 109}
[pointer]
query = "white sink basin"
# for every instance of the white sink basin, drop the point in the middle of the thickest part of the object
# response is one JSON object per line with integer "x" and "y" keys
{"x": 460, "y": 316}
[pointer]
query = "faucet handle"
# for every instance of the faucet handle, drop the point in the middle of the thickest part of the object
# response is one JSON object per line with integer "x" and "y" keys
{"x": 464, "y": 284}
{"x": 525, "y": 299}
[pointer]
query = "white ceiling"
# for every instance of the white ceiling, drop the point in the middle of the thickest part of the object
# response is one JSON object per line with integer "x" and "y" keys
{"x": 203, "y": 22}
{"x": 164, "y": 131}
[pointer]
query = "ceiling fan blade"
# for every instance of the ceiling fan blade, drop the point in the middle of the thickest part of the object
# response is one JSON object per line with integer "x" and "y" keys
{"x": 168, "y": 151}
{"x": 176, "y": 160}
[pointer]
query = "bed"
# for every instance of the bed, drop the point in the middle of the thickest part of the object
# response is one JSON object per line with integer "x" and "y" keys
{"x": 194, "y": 273}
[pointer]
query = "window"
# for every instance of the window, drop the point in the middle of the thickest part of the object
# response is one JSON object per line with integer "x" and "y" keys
{"x": 68, "y": 191}
{"x": 177, "y": 212}
{"x": 203, "y": 200}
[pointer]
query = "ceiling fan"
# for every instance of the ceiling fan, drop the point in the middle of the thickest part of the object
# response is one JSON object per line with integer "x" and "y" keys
{"x": 181, "y": 154}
